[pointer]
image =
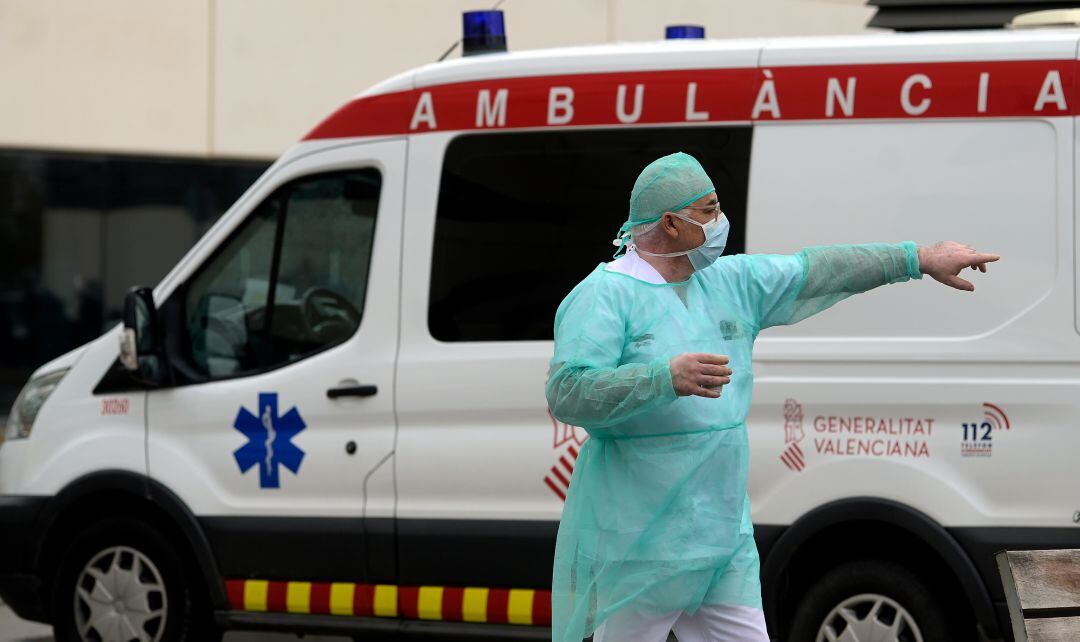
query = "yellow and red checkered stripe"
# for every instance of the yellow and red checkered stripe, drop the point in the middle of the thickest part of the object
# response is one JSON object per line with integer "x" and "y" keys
{"x": 445, "y": 603}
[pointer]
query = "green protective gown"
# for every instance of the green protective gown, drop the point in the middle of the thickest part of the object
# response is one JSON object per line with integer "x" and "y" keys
{"x": 657, "y": 517}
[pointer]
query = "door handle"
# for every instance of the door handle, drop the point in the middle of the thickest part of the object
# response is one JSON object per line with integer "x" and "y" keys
{"x": 352, "y": 391}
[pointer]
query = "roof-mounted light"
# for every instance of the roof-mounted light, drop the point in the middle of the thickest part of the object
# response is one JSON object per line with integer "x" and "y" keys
{"x": 681, "y": 32}
{"x": 484, "y": 32}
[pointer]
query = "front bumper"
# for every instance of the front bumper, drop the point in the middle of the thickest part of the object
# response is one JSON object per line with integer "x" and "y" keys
{"x": 20, "y": 583}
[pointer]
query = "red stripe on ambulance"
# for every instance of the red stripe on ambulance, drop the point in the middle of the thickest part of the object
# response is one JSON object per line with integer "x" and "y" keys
{"x": 793, "y": 457}
{"x": 364, "y": 600}
{"x": 558, "y": 473}
{"x": 560, "y": 492}
{"x": 452, "y": 604}
{"x": 566, "y": 464}
{"x": 1000, "y": 88}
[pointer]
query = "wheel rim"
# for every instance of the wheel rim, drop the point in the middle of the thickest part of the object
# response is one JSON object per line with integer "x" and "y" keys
{"x": 869, "y": 618}
{"x": 119, "y": 597}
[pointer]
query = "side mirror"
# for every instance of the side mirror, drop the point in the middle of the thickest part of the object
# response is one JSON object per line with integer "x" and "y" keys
{"x": 141, "y": 349}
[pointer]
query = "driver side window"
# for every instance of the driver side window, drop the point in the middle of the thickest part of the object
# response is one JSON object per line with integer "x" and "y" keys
{"x": 290, "y": 281}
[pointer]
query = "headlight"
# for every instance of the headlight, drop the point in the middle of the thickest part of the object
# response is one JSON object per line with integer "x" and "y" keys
{"x": 29, "y": 402}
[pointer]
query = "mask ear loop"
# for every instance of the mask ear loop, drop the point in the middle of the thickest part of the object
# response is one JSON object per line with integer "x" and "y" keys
{"x": 622, "y": 239}
{"x": 683, "y": 252}
{"x": 620, "y": 242}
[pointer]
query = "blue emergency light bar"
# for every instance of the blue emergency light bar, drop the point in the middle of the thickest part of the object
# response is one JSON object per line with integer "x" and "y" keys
{"x": 484, "y": 32}
{"x": 680, "y": 32}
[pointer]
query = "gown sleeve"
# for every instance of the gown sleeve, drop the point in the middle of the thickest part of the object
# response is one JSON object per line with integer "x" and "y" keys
{"x": 586, "y": 384}
{"x": 788, "y": 289}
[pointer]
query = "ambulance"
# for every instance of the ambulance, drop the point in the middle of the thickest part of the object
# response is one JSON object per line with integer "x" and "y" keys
{"x": 330, "y": 415}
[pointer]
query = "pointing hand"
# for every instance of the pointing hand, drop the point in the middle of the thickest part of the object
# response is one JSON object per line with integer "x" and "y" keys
{"x": 699, "y": 374}
{"x": 944, "y": 261}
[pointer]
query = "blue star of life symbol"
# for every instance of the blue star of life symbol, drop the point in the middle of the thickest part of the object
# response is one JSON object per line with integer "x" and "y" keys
{"x": 269, "y": 438}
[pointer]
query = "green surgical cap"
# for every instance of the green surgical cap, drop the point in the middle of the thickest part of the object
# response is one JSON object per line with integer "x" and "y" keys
{"x": 667, "y": 184}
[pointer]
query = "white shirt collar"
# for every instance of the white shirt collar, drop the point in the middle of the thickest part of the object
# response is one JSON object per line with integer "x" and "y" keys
{"x": 633, "y": 265}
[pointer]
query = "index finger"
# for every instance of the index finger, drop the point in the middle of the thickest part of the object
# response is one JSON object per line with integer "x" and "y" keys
{"x": 977, "y": 259}
{"x": 705, "y": 357}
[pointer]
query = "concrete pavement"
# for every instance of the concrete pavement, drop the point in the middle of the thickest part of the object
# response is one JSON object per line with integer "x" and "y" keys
{"x": 13, "y": 629}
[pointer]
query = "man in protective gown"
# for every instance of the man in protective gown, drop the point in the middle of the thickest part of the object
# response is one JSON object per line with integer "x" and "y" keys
{"x": 653, "y": 358}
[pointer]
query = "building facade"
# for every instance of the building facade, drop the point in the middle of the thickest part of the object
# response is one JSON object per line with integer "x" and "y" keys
{"x": 127, "y": 128}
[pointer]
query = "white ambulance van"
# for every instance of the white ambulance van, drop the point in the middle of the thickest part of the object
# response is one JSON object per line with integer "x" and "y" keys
{"x": 330, "y": 416}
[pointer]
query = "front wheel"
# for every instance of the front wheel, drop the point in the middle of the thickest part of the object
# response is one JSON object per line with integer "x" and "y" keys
{"x": 121, "y": 580}
{"x": 870, "y": 601}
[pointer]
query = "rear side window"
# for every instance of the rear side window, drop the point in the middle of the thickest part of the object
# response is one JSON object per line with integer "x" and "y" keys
{"x": 523, "y": 217}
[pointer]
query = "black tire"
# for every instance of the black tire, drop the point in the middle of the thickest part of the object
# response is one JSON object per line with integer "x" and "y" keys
{"x": 187, "y": 616}
{"x": 928, "y": 612}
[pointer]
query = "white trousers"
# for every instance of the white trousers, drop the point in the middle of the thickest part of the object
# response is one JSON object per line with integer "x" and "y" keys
{"x": 716, "y": 623}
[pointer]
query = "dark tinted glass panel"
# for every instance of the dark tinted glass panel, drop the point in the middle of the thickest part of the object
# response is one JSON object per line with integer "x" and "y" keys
{"x": 226, "y": 301}
{"x": 253, "y": 307}
{"x": 77, "y": 230}
{"x": 523, "y": 217}
{"x": 323, "y": 271}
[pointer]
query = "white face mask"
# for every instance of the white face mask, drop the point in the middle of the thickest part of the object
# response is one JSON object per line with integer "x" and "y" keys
{"x": 702, "y": 256}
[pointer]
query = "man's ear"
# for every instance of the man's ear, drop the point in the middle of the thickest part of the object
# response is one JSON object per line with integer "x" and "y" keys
{"x": 669, "y": 224}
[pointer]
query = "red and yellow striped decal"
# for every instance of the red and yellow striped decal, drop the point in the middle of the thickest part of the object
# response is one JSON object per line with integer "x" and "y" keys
{"x": 444, "y": 603}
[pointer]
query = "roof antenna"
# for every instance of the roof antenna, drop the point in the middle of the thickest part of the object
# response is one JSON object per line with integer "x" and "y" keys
{"x": 458, "y": 41}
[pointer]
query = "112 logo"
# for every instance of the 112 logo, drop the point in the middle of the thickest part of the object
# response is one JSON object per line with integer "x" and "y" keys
{"x": 979, "y": 435}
